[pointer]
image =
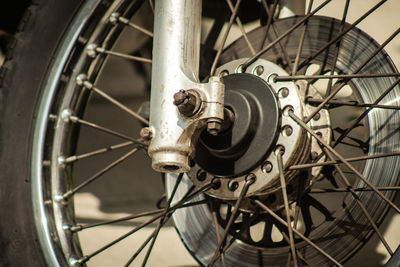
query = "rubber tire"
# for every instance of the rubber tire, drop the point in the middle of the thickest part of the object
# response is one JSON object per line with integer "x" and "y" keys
{"x": 23, "y": 74}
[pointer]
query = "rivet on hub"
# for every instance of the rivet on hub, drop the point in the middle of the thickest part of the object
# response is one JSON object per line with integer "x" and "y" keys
{"x": 259, "y": 70}
{"x": 287, "y": 130}
{"x": 283, "y": 92}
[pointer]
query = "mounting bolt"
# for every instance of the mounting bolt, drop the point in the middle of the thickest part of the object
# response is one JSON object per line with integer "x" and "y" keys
{"x": 145, "y": 133}
{"x": 213, "y": 126}
{"x": 188, "y": 102}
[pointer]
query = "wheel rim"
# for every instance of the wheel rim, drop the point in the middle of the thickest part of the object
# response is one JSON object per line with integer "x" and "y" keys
{"x": 59, "y": 219}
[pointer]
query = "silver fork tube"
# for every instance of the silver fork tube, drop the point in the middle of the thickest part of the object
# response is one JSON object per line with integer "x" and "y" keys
{"x": 176, "y": 50}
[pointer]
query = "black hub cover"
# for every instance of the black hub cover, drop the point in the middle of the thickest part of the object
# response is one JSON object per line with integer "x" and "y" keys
{"x": 245, "y": 144}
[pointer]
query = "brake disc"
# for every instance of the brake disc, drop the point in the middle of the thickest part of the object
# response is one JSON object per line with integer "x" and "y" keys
{"x": 337, "y": 226}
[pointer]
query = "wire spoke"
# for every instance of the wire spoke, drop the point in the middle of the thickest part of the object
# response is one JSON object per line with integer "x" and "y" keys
{"x": 326, "y": 163}
{"x": 286, "y": 203}
{"x": 225, "y": 37}
{"x": 81, "y": 227}
{"x": 161, "y": 223}
{"x": 74, "y": 158}
{"x": 187, "y": 197}
{"x": 90, "y": 86}
{"x": 335, "y": 76}
{"x": 291, "y": 29}
{"x": 337, "y": 103}
{"x": 273, "y": 214}
{"x": 283, "y": 50}
{"x": 338, "y": 44}
{"x": 102, "y": 50}
{"x": 239, "y": 23}
{"x": 97, "y": 175}
{"x": 269, "y": 23}
{"x": 360, "y": 189}
{"x": 106, "y": 130}
{"x": 235, "y": 211}
{"x": 214, "y": 216}
{"x": 339, "y": 86}
{"x": 359, "y": 202}
{"x": 164, "y": 219}
{"x": 340, "y": 35}
{"x": 301, "y": 43}
{"x": 336, "y": 154}
{"x": 365, "y": 113}
{"x": 88, "y": 257}
{"x": 126, "y": 21}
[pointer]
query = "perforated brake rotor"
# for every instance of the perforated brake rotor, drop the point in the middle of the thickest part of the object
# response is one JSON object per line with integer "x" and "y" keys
{"x": 346, "y": 221}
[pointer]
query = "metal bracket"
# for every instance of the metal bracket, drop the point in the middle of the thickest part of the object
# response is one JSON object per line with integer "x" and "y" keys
{"x": 176, "y": 50}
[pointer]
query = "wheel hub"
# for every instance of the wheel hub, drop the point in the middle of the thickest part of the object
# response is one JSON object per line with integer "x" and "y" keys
{"x": 243, "y": 146}
{"x": 261, "y": 125}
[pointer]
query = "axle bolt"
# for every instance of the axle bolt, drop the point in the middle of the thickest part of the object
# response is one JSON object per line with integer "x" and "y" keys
{"x": 188, "y": 102}
{"x": 213, "y": 126}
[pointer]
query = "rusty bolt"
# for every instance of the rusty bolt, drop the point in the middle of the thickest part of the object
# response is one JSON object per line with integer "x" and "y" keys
{"x": 188, "y": 102}
{"x": 145, "y": 133}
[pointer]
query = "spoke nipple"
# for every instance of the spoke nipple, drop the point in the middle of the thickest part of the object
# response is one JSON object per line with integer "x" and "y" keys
{"x": 66, "y": 195}
{"x": 61, "y": 199}
{"x": 76, "y": 228}
{"x": 114, "y": 18}
{"x": 91, "y": 50}
{"x": 251, "y": 178}
{"x": 73, "y": 262}
{"x": 66, "y": 227}
{"x": 83, "y": 259}
{"x": 61, "y": 161}
{"x": 52, "y": 117}
{"x": 66, "y": 115}
{"x": 80, "y": 79}
{"x": 146, "y": 133}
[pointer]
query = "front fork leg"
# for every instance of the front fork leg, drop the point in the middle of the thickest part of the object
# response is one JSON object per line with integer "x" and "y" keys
{"x": 176, "y": 123}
